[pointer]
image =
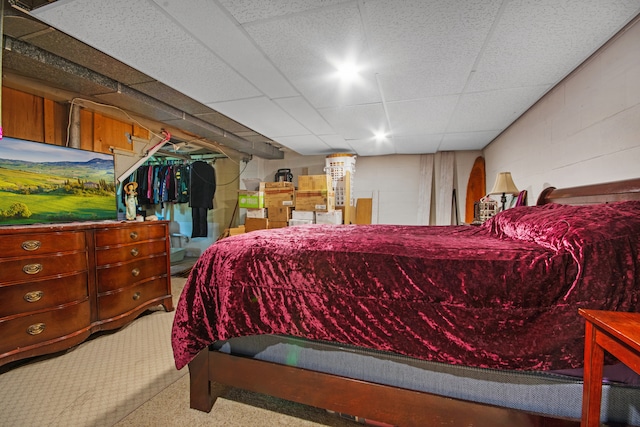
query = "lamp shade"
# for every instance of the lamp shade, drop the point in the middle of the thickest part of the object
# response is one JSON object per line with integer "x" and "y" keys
{"x": 504, "y": 184}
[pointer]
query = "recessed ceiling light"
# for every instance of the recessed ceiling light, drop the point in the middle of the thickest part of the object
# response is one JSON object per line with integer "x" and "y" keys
{"x": 380, "y": 136}
{"x": 348, "y": 72}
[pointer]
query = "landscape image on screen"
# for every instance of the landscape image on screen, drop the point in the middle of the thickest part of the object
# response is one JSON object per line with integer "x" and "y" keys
{"x": 45, "y": 183}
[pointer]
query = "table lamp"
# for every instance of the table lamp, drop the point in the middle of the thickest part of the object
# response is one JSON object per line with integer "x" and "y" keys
{"x": 504, "y": 185}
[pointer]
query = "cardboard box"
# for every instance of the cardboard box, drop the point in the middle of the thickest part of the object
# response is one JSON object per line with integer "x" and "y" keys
{"x": 278, "y": 224}
{"x": 294, "y": 222}
{"x": 278, "y": 197}
{"x": 236, "y": 230}
{"x": 315, "y": 183}
{"x": 250, "y": 199}
{"x": 252, "y": 224}
{"x": 257, "y": 213}
{"x": 280, "y": 213}
{"x": 334, "y": 217}
{"x": 304, "y": 215}
{"x": 318, "y": 201}
{"x": 278, "y": 185}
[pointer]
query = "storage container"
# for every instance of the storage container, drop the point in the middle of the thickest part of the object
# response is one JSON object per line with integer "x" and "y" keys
{"x": 250, "y": 199}
{"x": 318, "y": 201}
{"x": 333, "y": 217}
{"x": 315, "y": 182}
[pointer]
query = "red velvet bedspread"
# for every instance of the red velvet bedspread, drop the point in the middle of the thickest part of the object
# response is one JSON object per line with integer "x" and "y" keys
{"x": 503, "y": 295}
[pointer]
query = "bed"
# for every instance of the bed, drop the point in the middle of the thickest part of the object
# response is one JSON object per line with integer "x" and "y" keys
{"x": 410, "y": 325}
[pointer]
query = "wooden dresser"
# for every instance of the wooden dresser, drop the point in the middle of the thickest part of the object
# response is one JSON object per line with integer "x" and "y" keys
{"x": 61, "y": 283}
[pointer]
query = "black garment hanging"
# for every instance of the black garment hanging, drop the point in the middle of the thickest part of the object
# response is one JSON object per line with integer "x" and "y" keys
{"x": 202, "y": 191}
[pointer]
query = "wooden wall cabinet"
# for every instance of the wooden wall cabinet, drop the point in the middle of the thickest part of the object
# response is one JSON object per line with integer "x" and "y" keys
{"x": 61, "y": 283}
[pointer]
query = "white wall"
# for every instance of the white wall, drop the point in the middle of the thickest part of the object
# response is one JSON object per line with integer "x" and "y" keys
{"x": 586, "y": 130}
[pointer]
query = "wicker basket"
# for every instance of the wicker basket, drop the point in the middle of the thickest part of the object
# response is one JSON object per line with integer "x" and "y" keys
{"x": 484, "y": 209}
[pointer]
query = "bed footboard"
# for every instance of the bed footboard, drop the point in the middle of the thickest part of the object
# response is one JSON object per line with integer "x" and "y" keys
{"x": 378, "y": 402}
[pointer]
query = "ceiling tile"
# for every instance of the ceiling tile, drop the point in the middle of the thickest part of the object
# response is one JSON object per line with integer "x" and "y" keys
{"x": 433, "y": 80}
{"x": 337, "y": 143}
{"x": 370, "y": 147}
{"x": 210, "y": 25}
{"x": 263, "y": 116}
{"x": 306, "y": 48}
{"x": 304, "y": 113}
{"x": 417, "y": 144}
{"x": 406, "y": 34}
{"x": 253, "y": 10}
{"x": 144, "y": 37}
{"x": 306, "y": 144}
{"x": 358, "y": 122}
{"x": 540, "y": 42}
{"x": 466, "y": 140}
{"x": 490, "y": 111}
{"x": 423, "y": 116}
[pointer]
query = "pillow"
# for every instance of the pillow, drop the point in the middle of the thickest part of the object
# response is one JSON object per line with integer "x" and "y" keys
{"x": 557, "y": 226}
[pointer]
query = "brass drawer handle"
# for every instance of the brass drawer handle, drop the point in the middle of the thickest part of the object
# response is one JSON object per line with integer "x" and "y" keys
{"x": 136, "y": 296}
{"x": 32, "y": 268}
{"x": 135, "y": 252}
{"x": 135, "y": 272}
{"x": 31, "y": 245}
{"x": 35, "y": 329}
{"x": 133, "y": 235}
{"x": 33, "y": 296}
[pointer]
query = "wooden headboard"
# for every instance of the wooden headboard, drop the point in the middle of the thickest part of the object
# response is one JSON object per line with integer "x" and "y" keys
{"x": 589, "y": 194}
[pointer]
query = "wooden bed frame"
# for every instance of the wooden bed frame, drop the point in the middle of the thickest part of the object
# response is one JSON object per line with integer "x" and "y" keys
{"x": 372, "y": 401}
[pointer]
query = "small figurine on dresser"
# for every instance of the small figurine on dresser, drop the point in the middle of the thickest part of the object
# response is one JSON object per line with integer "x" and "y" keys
{"x": 131, "y": 200}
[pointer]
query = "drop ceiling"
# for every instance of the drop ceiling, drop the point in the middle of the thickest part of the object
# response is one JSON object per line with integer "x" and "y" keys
{"x": 433, "y": 75}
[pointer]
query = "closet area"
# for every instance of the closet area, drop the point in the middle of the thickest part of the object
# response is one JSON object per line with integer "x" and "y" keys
{"x": 180, "y": 188}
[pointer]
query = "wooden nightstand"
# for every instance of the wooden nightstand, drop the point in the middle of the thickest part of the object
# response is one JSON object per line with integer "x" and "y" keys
{"x": 617, "y": 333}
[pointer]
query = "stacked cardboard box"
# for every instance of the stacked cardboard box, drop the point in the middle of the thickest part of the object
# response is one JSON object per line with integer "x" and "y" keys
{"x": 279, "y": 204}
{"x": 279, "y": 194}
{"x": 252, "y": 224}
{"x": 257, "y": 213}
{"x": 314, "y": 182}
{"x": 279, "y": 216}
{"x": 315, "y": 193}
{"x": 279, "y": 199}
{"x": 299, "y": 217}
{"x": 333, "y": 217}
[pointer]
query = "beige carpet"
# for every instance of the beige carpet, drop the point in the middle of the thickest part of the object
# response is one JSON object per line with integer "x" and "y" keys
{"x": 127, "y": 378}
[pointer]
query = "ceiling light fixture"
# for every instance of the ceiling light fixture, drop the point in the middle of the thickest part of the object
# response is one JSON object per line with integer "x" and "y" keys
{"x": 380, "y": 136}
{"x": 348, "y": 72}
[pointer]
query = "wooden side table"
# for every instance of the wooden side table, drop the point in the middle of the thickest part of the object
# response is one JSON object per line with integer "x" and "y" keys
{"x": 617, "y": 333}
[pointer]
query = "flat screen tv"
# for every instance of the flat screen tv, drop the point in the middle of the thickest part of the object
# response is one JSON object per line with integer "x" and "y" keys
{"x": 44, "y": 183}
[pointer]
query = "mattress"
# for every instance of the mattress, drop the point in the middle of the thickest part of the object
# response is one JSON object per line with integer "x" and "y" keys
{"x": 533, "y": 391}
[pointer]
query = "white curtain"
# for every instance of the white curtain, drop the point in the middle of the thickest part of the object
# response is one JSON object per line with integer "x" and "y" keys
{"x": 444, "y": 189}
{"x": 425, "y": 189}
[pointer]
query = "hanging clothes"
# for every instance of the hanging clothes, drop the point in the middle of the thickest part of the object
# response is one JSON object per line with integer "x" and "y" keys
{"x": 201, "y": 193}
{"x": 182, "y": 173}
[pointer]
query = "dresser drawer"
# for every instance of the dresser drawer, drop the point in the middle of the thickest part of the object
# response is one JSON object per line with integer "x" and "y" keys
{"x": 36, "y": 244}
{"x": 124, "y": 235}
{"x": 23, "y": 332}
{"x": 34, "y": 268}
{"x": 42, "y": 294}
{"x": 130, "y": 252}
{"x": 125, "y": 274}
{"x": 126, "y": 299}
